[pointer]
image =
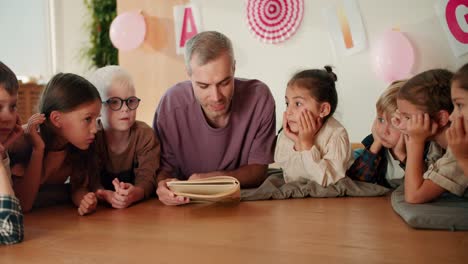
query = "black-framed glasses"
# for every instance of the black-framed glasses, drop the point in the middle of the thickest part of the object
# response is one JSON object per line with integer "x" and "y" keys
{"x": 116, "y": 103}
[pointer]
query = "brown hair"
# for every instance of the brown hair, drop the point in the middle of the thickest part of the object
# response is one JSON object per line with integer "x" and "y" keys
{"x": 320, "y": 84}
{"x": 429, "y": 90}
{"x": 462, "y": 77}
{"x": 386, "y": 104}
{"x": 8, "y": 79}
{"x": 64, "y": 92}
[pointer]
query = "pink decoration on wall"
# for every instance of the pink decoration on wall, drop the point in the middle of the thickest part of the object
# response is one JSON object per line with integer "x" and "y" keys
{"x": 393, "y": 56}
{"x": 453, "y": 17}
{"x": 188, "y": 22}
{"x": 128, "y": 30}
{"x": 274, "y": 21}
{"x": 456, "y": 14}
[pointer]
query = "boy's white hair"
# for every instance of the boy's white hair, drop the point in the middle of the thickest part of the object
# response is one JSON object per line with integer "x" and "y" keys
{"x": 103, "y": 78}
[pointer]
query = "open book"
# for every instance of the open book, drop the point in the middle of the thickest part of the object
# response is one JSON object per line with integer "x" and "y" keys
{"x": 213, "y": 189}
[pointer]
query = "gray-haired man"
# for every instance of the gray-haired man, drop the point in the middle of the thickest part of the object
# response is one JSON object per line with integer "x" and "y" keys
{"x": 214, "y": 124}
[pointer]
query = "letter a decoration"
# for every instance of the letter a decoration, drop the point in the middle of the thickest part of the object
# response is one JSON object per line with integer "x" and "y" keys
{"x": 187, "y": 23}
{"x": 274, "y": 21}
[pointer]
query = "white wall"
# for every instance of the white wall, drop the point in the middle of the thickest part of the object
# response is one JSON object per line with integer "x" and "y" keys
{"x": 71, "y": 35}
{"x": 310, "y": 47}
{"x": 42, "y": 37}
{"x": 24, "y": 44}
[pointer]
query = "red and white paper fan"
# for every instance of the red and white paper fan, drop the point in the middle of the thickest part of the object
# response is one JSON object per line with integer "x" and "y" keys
{"x": 274, "y": 21}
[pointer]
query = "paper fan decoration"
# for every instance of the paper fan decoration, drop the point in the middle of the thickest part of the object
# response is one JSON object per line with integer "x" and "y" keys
{"x": 274, "y": 21}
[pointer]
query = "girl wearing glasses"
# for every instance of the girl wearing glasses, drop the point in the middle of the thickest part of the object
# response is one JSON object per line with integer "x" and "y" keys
{"x": 424, "y": 107}
{"x": 57, "y": 145}
{"x": 128, "y": 149}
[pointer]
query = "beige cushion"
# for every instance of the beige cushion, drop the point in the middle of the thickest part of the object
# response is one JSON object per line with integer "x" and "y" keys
{"x": 274, "y": 187}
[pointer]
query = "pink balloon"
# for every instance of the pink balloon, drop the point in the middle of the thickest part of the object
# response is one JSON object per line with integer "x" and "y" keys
{"x": 128, "y": 30}
{"x": 393, "y": 56}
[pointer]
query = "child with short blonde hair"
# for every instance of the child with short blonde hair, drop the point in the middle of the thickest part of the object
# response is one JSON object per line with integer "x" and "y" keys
{"x": 128, "y": 149}
{"x": 382, "y": 160}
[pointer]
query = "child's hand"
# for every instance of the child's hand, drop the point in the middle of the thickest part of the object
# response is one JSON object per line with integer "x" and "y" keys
{"x": 125, "y": 194}
{"x": 457, "y": 138}
{"x": 308, "y": 128}
{"x": 32, "y": 130}
{"x": 420, "y": 127}
{"x": 287, "y": 130}
{"x": 88, "y": 204}
{"x": 400, "y": 148}
{"x": 132, "y": 193}
{"x": 113, "y": 198}
{"x": 14, "y": 135}
{"x": 377, "y": 144}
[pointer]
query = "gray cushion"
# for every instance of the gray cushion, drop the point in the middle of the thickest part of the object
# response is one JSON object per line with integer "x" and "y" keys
{"x": 274, "y": 187}
{"x": 447, "y": 212}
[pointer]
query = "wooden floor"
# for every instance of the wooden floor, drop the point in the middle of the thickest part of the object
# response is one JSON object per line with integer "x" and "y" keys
{"x": 339, "y": 230}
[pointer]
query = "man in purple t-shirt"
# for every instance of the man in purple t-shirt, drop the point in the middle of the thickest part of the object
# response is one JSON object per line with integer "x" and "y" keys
{"x": 214, "y": 124}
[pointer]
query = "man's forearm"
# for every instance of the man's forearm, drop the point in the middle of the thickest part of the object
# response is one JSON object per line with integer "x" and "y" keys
{"x": 162, "y": 175}
{"x": 249, "y": 176}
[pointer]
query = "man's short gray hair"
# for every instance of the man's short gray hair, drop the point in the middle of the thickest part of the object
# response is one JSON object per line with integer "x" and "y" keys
{"x": 103, "y": 78}
{"x": 208, "y": 46}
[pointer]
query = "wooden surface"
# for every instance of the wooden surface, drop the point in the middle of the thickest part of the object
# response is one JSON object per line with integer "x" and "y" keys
{"x": 338, "y": 230}
{"x": 356, "y": 145}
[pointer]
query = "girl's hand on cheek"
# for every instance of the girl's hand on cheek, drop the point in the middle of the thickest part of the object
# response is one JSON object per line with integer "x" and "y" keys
{"x": 420, "y": 127}
{"x": 457, "y": 138}
{"x": 32, "y": 130}
{"x": 308, "y": 129}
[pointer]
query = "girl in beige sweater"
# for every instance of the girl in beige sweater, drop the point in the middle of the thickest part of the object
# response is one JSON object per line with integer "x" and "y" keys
{"x": 313, "y": 146}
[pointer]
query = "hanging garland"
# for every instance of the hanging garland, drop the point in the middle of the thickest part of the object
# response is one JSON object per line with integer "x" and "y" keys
{"x": 274, "y": 21}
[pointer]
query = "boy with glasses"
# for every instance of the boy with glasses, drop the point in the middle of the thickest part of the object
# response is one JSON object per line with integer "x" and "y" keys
{"x": 128, "y": 149}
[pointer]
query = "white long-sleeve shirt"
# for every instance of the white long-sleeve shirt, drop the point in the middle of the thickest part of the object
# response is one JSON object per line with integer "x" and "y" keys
{"x": 325, "y": 163}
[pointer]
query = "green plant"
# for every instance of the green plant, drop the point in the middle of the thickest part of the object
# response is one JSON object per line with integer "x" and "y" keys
{"x": 101, "y": 52}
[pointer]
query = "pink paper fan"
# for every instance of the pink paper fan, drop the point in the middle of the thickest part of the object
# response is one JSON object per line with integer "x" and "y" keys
{"x": 274, "y": 21}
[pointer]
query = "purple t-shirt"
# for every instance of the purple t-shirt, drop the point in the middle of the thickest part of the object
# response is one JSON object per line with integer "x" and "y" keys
{"x": 190, "y": 145}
